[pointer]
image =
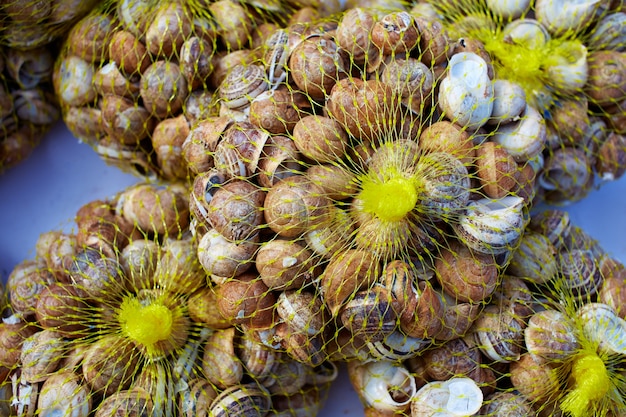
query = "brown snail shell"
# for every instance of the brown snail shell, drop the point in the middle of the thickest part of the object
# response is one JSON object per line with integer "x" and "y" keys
{"x": 368, "y": 314}
{"x": 348, "y": 272}
{"x": 246, "y": 399}
{"x": 235, "y": 210}
{"x": 295, "y": 205}
{"x": 550, "y": 336}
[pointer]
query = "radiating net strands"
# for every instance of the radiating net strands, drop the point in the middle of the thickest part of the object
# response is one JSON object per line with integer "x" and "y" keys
{"x": 569, "y": 58}
{"x": 353, "y": 189}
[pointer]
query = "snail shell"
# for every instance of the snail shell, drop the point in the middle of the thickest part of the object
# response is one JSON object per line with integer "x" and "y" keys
{"x": 295, "y": 205}
{"x": 242, "y": 84}
{"x": 525, "y": 138}
{"x": 74, "y": 81}
{"x": 579, "y": 272}
{"x": 563, "y": 16}
{"x": 396, "y": 346}
{"x": 465, "y": 275}
{"x": 196, "y": 398}
{"x": 302, "y": 311}
{"x": 383, "y": 385}
{"x": 354, "y": 35}
{"x": 368, "y": 314}
{"x": 221, "y": 366}
{"x": 565, "y": 170}
{"x": 223, "y": 258}
{"x": 526, "y": 32}
{"x": 135, "y": 402}
{"x": 534, "y": 259}
{"x": 458, "y": 396}
{"x": 508, "y": 9}
{"x": 499, "y": 336}
{"x": 554, "y": 224}
{"x": 41, "y": 354}
{"x": 446, "y": 184}
{"x": 276, "y": 53}
{"x": 603, "y": 326}
{"x": 250, "y": 400}
{"x": 566, "y": 68}
{"x": 347, "y": 273}
{"x": 235, "y": 210}
{"x": 609, "y": 33}
{"x": 507, "y": 404}
{"x": 550, "y": 335}
{"x": 259, "y": 361}
{"x": 288, "y": 378}
{"x": 466, "y": 93}
{"x": 492, "y": 226}
{"x": 64, "y": 394}
{"x": 535, "y": 380}
{"x": 509, "y": 101}
{"x": 29, "y": 68}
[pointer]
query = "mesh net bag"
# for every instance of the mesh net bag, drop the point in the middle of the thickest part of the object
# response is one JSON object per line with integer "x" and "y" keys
{"x": 550, "y": 342}
{"x": 30, "y": 38}
{"x": 28, "y": 106}
{"x": 32, "y": 24}
{"x": 569, "y": 59}
{"x": 345, "y": 204}
{"x": 117, "y": 317}
{"x": 134, "y": 75}
{"x": 343, "y": 198}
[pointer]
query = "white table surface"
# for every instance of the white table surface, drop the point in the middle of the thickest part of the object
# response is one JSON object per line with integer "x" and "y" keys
{"x": 44, "y": 192}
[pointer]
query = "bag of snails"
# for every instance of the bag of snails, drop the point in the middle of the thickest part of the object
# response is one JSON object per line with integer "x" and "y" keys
{"x": 28, "y": 106}
{"x": 569, "y": 59}
{"x": 343, "y": 200}
{"x": 551, "y": 340}
{"x": 31, "y": 31}
{"x": 567, "y": 348}
{"x": 116, "y": 316}
{"x": 134, "y": 76}
{"x": 32, "y": 24}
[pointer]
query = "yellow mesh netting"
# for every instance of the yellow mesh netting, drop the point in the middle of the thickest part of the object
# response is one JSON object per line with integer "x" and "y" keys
{"x": 569, "y": 58}
{"x": 346, "y": 186}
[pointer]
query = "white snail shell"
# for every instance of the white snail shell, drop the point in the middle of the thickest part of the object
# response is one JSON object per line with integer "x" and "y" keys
{"x": 569, "y": 71}
{"x": 562, "y": 16}
{"x": 601, "y": 324}
{"x": 508, "y": 9}
{"x": 525, "y": 138}
{"x": 455, "y": 397}
{"x": 527, "y": 32}
{"x": 466, "y": 93}
{"x": 376, "y": 380}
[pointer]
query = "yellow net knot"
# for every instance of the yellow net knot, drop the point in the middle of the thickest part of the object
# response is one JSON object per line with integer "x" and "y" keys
{"x": 389, "y": 200}
{"x": 145, "y": 324}
{"x": 591, "y": 383}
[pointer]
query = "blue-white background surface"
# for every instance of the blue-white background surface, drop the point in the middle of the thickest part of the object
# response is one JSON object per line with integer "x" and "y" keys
{"x": 44, "y": 192}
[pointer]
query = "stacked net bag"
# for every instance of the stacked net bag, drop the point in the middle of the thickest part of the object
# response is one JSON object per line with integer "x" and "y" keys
{"x": 331, "y": 200}
{"x": 117, "y": 317}
{"x": 343, "y": 193}
{"x": 568, "y": 57}
{"x": 134, "y": 76}
{"x": 29, "y": 42}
